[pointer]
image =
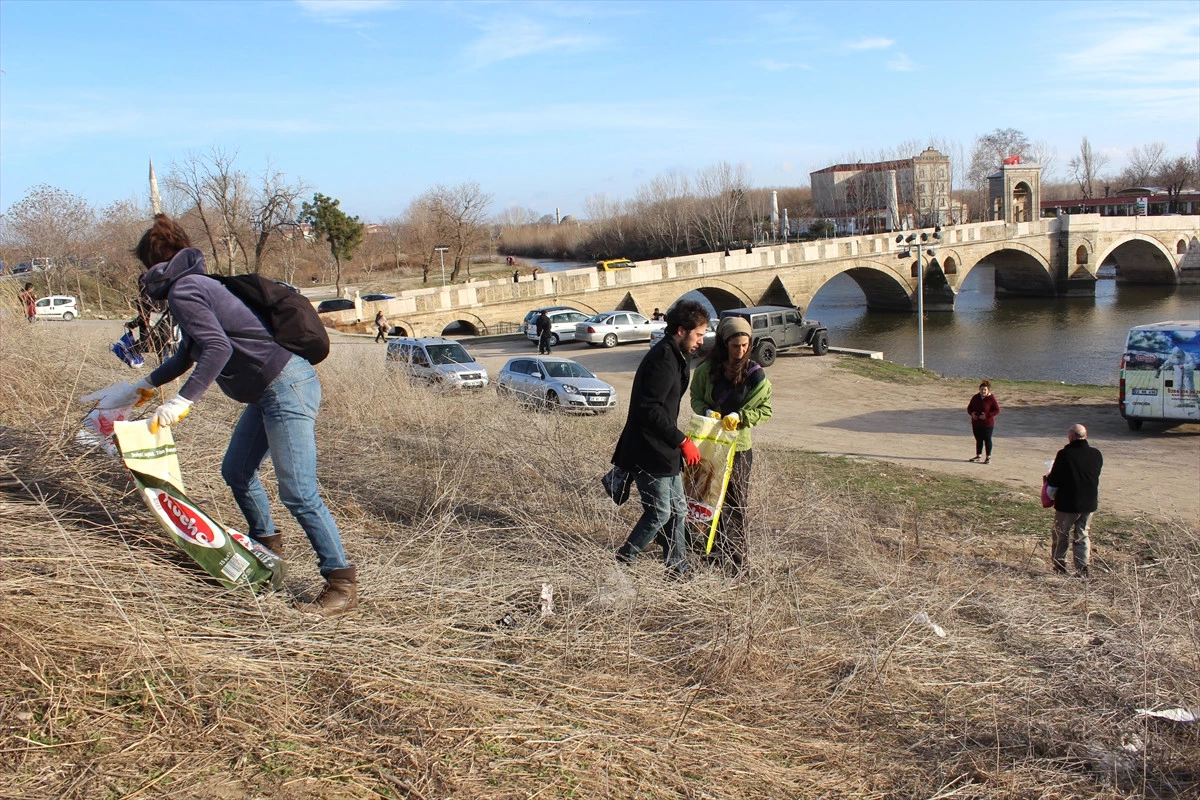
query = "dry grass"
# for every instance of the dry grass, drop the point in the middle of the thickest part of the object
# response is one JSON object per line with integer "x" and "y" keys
{"x": 125, "y": 674}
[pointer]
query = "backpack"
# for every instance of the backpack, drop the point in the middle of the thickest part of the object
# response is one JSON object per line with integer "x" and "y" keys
{"x": 290, "y": 317}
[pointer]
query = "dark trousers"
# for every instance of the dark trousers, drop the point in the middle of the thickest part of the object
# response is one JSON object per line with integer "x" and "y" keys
{"x": 730, "y": 542}
{"x": 544, "y": 344}
{"x": 983, "y": 438}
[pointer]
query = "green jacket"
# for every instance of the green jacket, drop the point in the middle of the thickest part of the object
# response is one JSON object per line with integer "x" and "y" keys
{"x": 755, "y": 408}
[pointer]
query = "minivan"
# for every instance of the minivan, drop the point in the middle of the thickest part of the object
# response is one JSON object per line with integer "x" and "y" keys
{"x": 1158, "y": 373}
{"x": 57, "y": 306}
{"x": 437, "y": 361}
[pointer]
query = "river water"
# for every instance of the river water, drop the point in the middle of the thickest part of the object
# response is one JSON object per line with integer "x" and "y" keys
{"x": 1074, "y": 340}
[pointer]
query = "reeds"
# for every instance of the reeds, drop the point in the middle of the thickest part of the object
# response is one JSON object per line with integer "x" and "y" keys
{"x": 126, "y": 674}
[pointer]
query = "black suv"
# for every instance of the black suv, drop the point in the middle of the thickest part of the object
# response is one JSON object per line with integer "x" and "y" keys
{"x": 775, "y": 328}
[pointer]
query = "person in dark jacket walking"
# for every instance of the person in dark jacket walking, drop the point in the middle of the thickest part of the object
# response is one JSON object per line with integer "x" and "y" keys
{"x": 280, "y": 389}
{"x": 651, "y": 445}
{"x": 983, "y": 409}
{"x": 1075, "y": 478}
{"x": 542, "y": 326}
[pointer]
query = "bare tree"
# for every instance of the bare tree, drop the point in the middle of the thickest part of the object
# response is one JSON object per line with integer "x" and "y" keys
{"x": 515, "y": 217}
{"x": 990, "y": 151}
{"x": 1044, "y": 154}
{"x": 1144, "y": 165}
{"x": 53, "y": 224}
{"x": 721, "y": 203}
{"x": 394, "y": 238}
{"x": 461, "y": 215}
{"x": 273, "y": 208}
{"x": 1085, "y": 168}
{"x": 663, "y": 211}
{"x": 1175, "y": 175}
{"x": 420, "y": 231}
{"x": 218, "y": 197}
{"x": 611, "y": 226}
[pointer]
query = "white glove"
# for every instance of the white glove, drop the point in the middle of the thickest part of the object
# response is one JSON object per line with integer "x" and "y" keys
{"x": 169, "y": 413}
{"x": 730, "y": 421}
{"x": 122, "y": 395}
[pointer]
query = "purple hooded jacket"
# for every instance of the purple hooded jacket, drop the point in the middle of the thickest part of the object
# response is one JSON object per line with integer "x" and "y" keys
{"x": 205, "y": 311}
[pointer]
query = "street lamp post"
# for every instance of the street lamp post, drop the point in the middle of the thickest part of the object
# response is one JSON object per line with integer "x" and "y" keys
{"x": 920, "y": 241}
{"x": 441, "y": 251}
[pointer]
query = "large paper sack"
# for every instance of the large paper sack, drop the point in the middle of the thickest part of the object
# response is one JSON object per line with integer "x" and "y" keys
{"x": 706, "y": 482}
{"x": 233, "y": 558}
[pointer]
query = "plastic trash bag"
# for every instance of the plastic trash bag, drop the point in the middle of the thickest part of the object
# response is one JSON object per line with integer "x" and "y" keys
{"x": 705, "y": 483}
{"x": 126, "y": 349}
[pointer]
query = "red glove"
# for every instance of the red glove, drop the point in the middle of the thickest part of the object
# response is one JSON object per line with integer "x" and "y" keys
{"x": 691, "y": 455}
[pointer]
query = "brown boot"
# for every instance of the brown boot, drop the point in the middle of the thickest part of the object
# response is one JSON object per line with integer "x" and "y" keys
{"x": 339, "y": 596}
{"x": 274, "y": 543}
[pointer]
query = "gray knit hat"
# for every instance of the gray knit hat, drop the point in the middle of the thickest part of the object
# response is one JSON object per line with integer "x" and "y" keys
{"x": 732, "y": 326}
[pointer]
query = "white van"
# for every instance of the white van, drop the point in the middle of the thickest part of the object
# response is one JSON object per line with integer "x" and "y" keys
{"x": 1158, "y": 373}
{"x": 437, "y": 361}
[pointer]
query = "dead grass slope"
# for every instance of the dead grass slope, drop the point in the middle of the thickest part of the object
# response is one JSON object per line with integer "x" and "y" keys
{"x": 123, "y": 673}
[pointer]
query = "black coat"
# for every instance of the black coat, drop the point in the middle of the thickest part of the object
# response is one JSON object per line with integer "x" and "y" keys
{"x": 542, "y": 326}
{"x": 651, "y": 439}
{"x": 1076, "y": 476}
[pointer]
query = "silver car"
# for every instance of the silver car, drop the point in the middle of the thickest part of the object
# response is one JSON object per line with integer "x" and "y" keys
{"x": 556, "y": 383}
{"x": 613, "y": 327}
{"x": 438, "y": 362}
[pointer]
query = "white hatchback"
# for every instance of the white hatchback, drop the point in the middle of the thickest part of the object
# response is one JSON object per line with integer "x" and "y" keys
{"x": 57, "y": 306}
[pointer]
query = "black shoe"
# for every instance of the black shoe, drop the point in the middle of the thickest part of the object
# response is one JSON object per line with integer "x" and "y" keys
{"x": 1082, "y": 573}
{"x": 625, "y": 555}
{"x": 976, "y": 458}
{"x": 674, "y": 574}
{"x": 1061, "y": 569}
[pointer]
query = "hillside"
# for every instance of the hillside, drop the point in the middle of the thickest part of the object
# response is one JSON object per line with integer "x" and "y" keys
{"x": 825, "y": 673}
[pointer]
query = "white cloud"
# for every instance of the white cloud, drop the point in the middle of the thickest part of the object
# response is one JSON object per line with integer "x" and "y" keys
{"x": 519, "y": 37}
{"x": 872, "y": 43}
{"x": 902, "y": 63}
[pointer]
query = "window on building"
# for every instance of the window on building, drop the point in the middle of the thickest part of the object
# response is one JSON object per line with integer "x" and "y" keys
{"x": 1081, "y": 255}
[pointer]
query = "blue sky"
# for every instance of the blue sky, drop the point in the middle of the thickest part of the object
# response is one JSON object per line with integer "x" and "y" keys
{"x": 545, "y": 104}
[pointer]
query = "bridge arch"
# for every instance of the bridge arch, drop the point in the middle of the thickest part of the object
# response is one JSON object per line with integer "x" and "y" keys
{"x": 722, "y": 295}
{"x": 1020, "y": 270}
{"x": 1141, "y": 259}
{"x": 463, "y": 326}
{"x": 884, "y": 286}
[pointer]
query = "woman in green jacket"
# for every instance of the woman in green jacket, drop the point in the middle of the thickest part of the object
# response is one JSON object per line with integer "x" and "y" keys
{"x": 732, "y": 386}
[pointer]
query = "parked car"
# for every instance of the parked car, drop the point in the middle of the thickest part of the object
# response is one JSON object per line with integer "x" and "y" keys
{"x": 562, "y": 324}
{"x": 531, "y": 318}
{"x": 337, "y": 304}
{"x": 23, "y": 267}
{"x": 287, "y": 285}
{"x": 556, "y": 383}
{"x": 437, "y": 361}
{"x": 612, "y": 327}
{"x": 706, "y": 346}
{"x": 776, "y": 328}
{"x": 371, "y": 298}
{"x": 57, "y": 306}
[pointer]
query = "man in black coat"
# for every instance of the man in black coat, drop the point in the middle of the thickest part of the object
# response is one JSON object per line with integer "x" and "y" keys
{"x": 1075, "y": 478}
{"x": 543, "y": 331}
{"x": 651, "y": 445}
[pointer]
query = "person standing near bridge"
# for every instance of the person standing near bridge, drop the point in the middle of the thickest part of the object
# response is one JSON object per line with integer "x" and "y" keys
{"x": 983, "y": 409}
{"x": 29, "y": 300}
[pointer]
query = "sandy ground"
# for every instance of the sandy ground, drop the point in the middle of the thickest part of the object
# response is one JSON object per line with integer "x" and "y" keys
{"x": 1155, "y": 472}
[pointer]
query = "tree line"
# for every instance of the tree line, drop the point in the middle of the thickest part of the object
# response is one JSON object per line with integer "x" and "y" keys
{"x": 266, "y": 222}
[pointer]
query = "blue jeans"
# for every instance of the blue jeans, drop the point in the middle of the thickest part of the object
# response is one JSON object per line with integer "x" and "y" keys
{"x": 664, "y": 509}
{"x": 283, "y": 423}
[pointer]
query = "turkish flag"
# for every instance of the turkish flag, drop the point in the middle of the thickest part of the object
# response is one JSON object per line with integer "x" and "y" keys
{"x": 1008, "y": 162}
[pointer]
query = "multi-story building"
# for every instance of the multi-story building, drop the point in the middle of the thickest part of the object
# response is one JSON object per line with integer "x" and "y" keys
{"x": 886, "y": 195}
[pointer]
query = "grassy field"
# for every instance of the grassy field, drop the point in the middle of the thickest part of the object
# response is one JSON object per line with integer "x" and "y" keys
{"x": 898, "y": 636}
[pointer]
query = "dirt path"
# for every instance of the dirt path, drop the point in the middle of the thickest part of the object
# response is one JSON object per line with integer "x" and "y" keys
{"x": 818, "y": 407}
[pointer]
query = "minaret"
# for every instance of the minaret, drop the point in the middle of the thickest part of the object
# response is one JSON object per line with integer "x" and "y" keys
{"x": 155, "y": 200}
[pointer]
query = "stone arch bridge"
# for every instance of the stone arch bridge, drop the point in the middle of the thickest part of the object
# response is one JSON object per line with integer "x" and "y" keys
{"x": 1050, "y": 257}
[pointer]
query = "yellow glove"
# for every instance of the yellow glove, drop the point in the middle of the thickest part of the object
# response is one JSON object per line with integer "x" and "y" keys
{"x": 169, "y": 413}
{"x": 730, "y": 421}
{"x": 712, "y": 414}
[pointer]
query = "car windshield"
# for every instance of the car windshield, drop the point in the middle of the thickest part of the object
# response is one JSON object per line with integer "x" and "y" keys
{"x": 448, "y": 354}
{"x": 567, "y": 369}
